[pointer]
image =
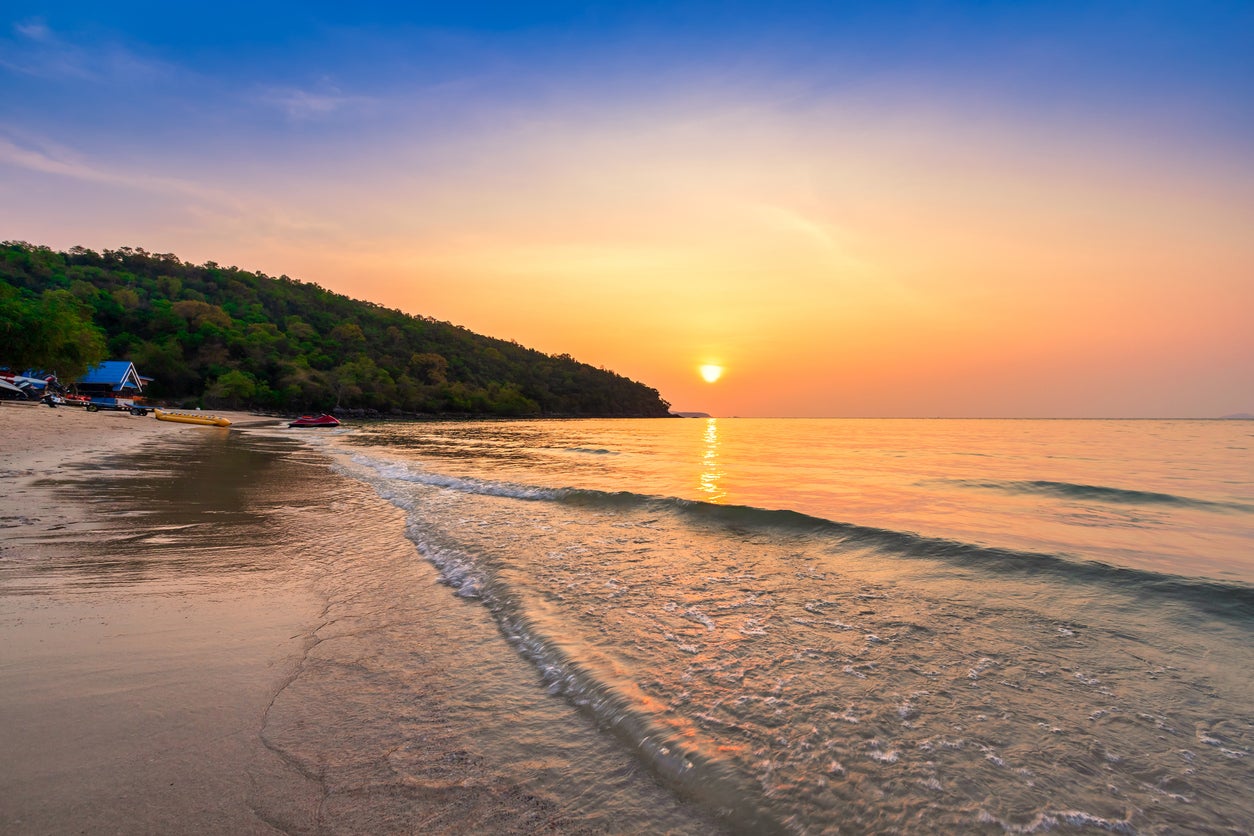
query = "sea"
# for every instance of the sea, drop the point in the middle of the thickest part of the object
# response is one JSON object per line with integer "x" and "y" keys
{"x": 795, "y": 626}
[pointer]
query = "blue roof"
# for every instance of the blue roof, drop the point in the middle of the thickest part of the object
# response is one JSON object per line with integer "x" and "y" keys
{"x": 120, "y": 374}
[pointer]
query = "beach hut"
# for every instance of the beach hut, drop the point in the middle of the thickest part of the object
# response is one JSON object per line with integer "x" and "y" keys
{"x": 113, "y": 384}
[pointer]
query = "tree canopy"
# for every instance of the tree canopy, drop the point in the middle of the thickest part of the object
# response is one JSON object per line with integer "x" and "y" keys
{"x": 236, "y": 338}
{"x": 50, "y": 330}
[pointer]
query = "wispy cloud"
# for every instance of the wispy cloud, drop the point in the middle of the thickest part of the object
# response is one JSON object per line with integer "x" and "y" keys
{"x": 303, "y": 104}
{"x": 34, "y": 30}
{"x": 59, "y": 161}
{"x": 47, "y": 158}
{"x": 230, "y": 212}
{"x": 35, "y": 49}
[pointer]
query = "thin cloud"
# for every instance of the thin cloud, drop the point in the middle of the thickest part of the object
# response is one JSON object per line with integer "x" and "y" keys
{"x": 64, "y": 162}
{"x": 34, "y": 30}
{"x": 35, "y": 49}
{"x": 241, "y": 215}
{"x": 301, "y": 104}
{"x": 33, "y": 159}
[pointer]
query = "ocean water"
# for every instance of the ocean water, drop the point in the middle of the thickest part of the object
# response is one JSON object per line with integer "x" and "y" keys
{"x": 837, "y": 626}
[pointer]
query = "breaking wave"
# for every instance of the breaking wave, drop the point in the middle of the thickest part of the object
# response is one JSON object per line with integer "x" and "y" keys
{"x": 1100, "y": 493}
{"x": 1233, "y": 598}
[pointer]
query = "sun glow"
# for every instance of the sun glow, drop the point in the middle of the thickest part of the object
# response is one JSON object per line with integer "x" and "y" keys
{"x": 711, "y": 373}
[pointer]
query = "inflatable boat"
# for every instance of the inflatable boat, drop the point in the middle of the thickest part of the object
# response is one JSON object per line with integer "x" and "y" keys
{"x": 192, "y": 418}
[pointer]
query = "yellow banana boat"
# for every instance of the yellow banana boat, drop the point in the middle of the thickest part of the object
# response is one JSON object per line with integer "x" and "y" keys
{"x": 192, "y": 418}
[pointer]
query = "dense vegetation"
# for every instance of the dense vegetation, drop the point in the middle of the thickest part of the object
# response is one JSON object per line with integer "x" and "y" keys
{"x": 230, "y": 337}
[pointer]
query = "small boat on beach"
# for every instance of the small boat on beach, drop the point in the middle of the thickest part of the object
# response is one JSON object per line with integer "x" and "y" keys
{"x": 192, "y": 418}
{"x": 323, "y": 420}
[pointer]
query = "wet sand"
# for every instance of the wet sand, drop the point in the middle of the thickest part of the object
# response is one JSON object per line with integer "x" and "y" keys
{"x": 146, "y": 628}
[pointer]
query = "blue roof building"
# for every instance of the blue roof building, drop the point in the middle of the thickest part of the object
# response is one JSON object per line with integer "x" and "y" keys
{"x": 112, "y": 376}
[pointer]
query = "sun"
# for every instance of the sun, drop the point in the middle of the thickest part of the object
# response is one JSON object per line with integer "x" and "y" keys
{"x": 711, "y": 373}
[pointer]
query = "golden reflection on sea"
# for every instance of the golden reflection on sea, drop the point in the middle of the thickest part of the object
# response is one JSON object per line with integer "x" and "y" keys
{"x": 711, "y": 473}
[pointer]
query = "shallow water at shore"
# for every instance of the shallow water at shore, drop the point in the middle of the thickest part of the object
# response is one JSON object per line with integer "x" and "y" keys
{"x": 416, "y": 716}
{"x": 856, "y": 649}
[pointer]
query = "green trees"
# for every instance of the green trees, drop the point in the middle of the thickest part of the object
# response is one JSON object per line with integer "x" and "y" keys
{"x": 233, "y": 388}
{"x": 52, "y": 332}
{"x": 247, "y": 339}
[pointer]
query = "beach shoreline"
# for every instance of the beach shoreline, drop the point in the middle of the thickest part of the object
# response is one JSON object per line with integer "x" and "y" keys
{"x": 217, "y": 631}
{"x": 138, "y": 665}
{"x": 367, "y": 631}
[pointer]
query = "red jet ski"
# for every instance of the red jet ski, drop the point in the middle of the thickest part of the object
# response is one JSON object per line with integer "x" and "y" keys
{"x": 322, "y": 420}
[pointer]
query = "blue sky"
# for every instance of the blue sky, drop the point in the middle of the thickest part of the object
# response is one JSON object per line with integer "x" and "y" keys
{"x": 70, "y": 63}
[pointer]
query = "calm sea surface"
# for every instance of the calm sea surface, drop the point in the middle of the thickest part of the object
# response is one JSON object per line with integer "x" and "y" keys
{"x": 820, "y": 626}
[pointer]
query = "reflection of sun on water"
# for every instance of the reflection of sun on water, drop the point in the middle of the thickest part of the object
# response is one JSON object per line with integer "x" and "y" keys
{"x": 710, "y": 471}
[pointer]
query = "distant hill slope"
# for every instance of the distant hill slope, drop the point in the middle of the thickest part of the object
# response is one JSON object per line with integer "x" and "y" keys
{"x": 248, "y": 339}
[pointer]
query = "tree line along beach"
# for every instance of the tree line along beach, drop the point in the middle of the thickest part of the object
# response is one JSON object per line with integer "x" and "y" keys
{"x": 222, "y": 337}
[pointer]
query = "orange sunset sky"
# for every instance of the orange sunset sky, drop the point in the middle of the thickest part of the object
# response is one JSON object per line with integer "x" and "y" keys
{"x": 878, "y": 210}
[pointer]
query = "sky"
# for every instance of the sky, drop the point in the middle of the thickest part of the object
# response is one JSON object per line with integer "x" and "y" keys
{"x": 976, "y": 209}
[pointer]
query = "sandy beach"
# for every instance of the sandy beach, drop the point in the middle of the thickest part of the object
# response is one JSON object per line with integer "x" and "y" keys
{"x": 140, "y": 650}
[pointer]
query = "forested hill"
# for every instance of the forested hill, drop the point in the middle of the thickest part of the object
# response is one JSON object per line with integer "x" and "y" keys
{"x": 247, "y": 339}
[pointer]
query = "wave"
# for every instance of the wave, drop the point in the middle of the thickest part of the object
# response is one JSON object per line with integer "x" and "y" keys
{"x": 690, "y": 763}
{"x": 679, "y": 760}
{"x": 1225, "y": 598}
{"x": 1219, "y": 597}
{"x": 483, "y": 487}
{"x": 1099, "y": 493}
{"x": 592, "y": 451}
{"x": 683, "y": 763}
